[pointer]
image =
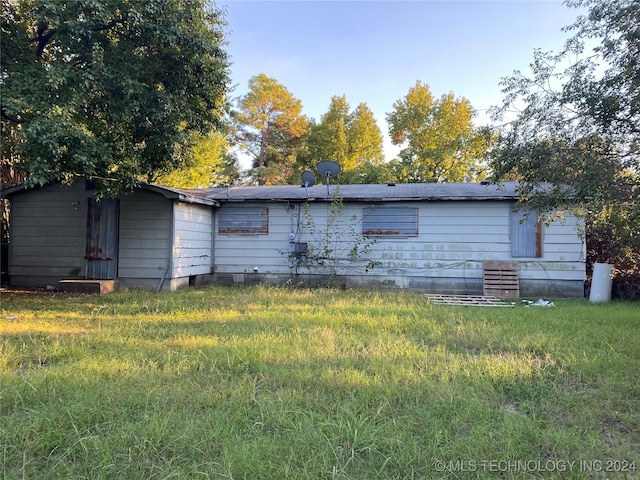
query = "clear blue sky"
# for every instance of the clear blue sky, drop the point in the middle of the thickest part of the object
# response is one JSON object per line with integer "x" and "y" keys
{"x": 374, "y": 51}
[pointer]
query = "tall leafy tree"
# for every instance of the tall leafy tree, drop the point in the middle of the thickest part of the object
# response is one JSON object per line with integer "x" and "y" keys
{"x": 328, "y": 140}
{"x": 271, "y": 128}
{"x": 351, "y": 139}
{"x": 578, "y": 127}
{"x": 111, "y": 89}
{"x": 440, "y": 143}
{"x": 211, "y": 165}
{"x": 578, "y": 121}
{"x": 364, "y": 138}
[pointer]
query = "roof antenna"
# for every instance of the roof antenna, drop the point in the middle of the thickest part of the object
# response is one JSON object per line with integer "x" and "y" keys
{"x": 328, "y": 169}
{"x": 308, "y": 180}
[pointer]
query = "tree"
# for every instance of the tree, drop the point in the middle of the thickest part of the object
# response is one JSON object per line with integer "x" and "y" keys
{"x": 441, "y": 144}
{"x": 367, "y": 172}
{"x": 271, "y": 128}
{"x": 578, "y": 127}
{"x": 364, "y": 139}
{"x": 567, "y": 110}
{"x": 351, "y": 139}
{"x": 211, "y": 165}
{"x": 109, "y": 89}
{"x": 328, "y": 139}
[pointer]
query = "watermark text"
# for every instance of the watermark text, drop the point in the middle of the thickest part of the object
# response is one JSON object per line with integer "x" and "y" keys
{"x": 538, "y": 466}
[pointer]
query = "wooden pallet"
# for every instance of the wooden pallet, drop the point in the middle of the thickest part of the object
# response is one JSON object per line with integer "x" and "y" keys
{"x": 468, "y": 300}
{"x": 500, "y": 279}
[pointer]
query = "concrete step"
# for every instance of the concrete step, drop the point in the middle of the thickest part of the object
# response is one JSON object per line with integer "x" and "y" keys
{"x": 88, "y": 286}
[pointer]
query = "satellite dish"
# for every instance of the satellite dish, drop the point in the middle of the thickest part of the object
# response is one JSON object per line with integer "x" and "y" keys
{"x": 328, "y": 169}
{"x": 308, "y": 179}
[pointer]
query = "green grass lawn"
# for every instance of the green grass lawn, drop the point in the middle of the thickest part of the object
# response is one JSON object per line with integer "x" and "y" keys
{"x": 270, "y": 383}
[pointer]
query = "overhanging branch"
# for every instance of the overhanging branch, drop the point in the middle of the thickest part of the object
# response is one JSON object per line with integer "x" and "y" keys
{"x": 12, "y": 118}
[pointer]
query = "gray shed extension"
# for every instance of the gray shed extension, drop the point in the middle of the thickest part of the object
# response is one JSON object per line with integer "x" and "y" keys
{"x": 154, "y": 237}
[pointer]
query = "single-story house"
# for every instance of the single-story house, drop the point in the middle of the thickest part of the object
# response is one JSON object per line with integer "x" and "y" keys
{"x": 436, "y": 238}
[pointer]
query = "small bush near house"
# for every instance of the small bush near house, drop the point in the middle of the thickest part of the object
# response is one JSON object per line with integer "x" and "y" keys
{"x": 270, "y": 383}
{"x": 613, "y": 236}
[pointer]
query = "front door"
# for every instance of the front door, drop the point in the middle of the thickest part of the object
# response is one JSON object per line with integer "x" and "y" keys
{"x": 102, "y": 239}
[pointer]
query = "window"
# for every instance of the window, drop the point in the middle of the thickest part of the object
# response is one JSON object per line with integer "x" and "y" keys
{"x": 390, "y": 222}
{"x": 526, "y": 234}
{"x": 242, "y": 220}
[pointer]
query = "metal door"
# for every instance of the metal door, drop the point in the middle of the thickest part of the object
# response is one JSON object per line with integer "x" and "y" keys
{"x": 102, "y": 239}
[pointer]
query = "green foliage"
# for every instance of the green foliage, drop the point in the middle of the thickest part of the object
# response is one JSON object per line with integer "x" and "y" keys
{"x": 328, "y": 139}
{"x": 271, "y": 383}
{"x": 210, "y": 166}
{"x": 365, "y": 138}
{"x": 351, "y": 139}
{"x": 367, "y": 172}
{"x": 271, "y": 128}
{"x": 608, "y": 101}
{"x": 441, "y": 144}
{"x": 612, "y": 237}
{"x": 578, "y": 124}
{"x": 577, "y": 127}
{"x": 110, "y": 89}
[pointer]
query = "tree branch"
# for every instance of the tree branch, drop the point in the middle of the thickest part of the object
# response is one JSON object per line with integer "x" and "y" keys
{"x": 15, "y": 119}
{"x": 112, "y": 23}
{"x": 43, "y": 37}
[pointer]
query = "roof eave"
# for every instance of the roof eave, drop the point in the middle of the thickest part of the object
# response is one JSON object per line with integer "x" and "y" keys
{"x": 176, "y": 194}
{"x": 368, "y": 199}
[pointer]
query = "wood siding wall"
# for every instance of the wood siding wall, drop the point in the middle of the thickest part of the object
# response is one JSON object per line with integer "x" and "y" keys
{"x": 48, "y": 233}
{"x": 192, "y": 249}
{"x": 453, "y": 240}
{"x": 240, "y": 253}
{"x": 159, "y": 237}
{"x": 145, "y": 237}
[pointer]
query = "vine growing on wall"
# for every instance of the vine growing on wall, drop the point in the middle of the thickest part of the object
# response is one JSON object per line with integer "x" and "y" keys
{"x": 337, "y": 249}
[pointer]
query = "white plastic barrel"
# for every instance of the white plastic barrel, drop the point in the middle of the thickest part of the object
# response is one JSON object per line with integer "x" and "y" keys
{"x": 601, "y": 282}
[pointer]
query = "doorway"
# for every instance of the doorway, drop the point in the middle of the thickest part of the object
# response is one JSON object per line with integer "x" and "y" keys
{"x": 101, "y": 250}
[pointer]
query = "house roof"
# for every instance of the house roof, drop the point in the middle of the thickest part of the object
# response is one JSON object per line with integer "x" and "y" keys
{"x": 181, "y": 194}
{"x": 366, "y": 193}
{"x": 507, "y": 191}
